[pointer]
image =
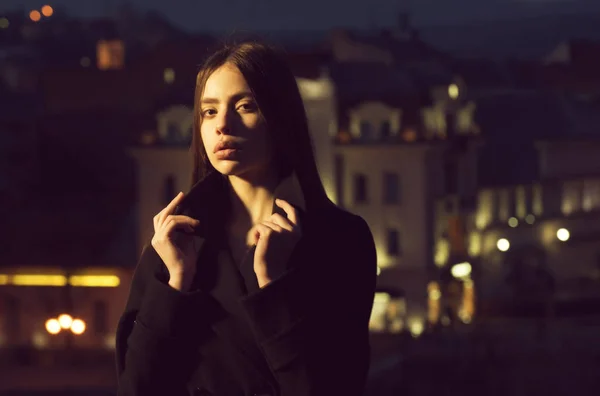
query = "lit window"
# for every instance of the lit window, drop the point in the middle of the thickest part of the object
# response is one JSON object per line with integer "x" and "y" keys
{"x": 110, "y": 54}
{"x": 453, "y": 91}
{"x": 521, "y": 201}
{"x": 378, "y": 312}
{"x": 571, "y": 198}
{"x": 433, "y": 302}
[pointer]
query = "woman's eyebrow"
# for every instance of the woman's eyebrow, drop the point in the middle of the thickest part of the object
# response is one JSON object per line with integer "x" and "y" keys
{"x": 233, "y": 98}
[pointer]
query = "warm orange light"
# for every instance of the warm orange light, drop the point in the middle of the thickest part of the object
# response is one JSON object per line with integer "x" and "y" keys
{"x": 35, "y": 15}
{"x": 47, "y": 11}
{"x": 65, "y": 321}
{"x": 52, "y": 326}
{"x": 78, "y": 326}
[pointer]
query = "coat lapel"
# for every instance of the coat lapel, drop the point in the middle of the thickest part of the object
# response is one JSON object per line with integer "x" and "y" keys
{"x": 207, "y": 202}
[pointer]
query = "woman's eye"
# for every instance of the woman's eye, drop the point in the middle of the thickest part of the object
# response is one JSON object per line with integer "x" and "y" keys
{"x": 247, "y": 107}
{"x": 208, "y": 112}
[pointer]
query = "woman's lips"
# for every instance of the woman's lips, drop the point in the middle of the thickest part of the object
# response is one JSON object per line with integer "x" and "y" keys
{"x": 228, "y": 154}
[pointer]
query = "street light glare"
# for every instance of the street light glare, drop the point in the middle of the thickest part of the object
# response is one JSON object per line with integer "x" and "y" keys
{"x": 563, "y": 235}
{"x": 65, "y": 321}
{"x": 47, "y": 11}
{"x": 35, "y": 15}
{"x": 503, "y": 245}
{"x": 461, "y": 270}
{"x": 78, "y": 326}
{"x": 52, "y": 326}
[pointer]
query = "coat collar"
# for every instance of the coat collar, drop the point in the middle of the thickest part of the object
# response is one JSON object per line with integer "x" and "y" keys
{"x": 208, "y": 202}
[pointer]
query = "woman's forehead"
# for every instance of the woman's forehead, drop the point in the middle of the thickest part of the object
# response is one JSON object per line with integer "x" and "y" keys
{"x": 226, "y": 80}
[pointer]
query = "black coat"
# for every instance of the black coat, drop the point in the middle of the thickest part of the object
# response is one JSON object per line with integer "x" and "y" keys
{"x": 304, "y": 334}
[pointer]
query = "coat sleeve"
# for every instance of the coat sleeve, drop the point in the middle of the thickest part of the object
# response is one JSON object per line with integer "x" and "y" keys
{"x": 156, "y": 335}
{"x": 313, "y": 322}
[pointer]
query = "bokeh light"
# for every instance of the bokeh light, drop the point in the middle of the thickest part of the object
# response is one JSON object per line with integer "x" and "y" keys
{"x": 35, "y": 15}
{"x": 47, "y": 11}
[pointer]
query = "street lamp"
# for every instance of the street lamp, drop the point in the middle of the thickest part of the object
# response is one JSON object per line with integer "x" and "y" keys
{"x": 65, "y": 322}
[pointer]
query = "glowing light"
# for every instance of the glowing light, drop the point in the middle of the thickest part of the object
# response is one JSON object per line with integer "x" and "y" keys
{"x": 169, "y": 75}
{"x": 110, "y": 341}
{"x": 47, "y": 11}
{"x": 461, "y": 270}
{"x": 453, "y": 91}
{"x": 60, "y": 280}
{"x": 513, "y": 222}
{"x": 39, "y": 340}
{"x": 530, "y": 219}
{"x": 94, "y": 280}
{"x": 416, "y": 327}
{"x": 563, "y": 234}
{"x": 409, "y": 135}
{"x": 52, "y": 326}
{"x": 78, "y": 327}
{"x": 4, "y": 23}
{"x": 503, "y": 245}
{"x": 39, "y": 280}
{"x": 35, "y": 15}
{"x": 378, "y": 270}
{"x": 65, "y": 321}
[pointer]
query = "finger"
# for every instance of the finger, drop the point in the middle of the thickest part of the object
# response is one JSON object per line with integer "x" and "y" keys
{"x": 281, "y": 222}
{"x": 168, "y": 209}
{"x": 273, "y": 226}
{"x": 261, "y": 231}
{"x": 289, "y": 210}
{"x": 178, "y": 222}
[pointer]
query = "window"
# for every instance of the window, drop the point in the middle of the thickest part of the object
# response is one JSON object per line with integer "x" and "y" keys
{"x": 173, "y": 133}
{"x": 360, "y": 188}
{"x": 100, "y": 317}
{"x": 393, "y": 242}
{"x": 391, "y": 188}
{"x": 365, "y": 130}
{"x": 110, "y": 54}
{"x": 169, "y": 190}
{"x": 385, "y": 130}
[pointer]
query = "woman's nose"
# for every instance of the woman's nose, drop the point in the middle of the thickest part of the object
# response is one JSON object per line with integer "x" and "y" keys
{"x": 224, "y": 123}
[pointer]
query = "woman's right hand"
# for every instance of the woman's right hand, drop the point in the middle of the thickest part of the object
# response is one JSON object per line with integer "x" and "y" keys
{"x": 178, "y": 254}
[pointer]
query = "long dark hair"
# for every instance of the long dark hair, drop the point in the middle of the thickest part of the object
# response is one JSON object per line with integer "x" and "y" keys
{"x": 275, "y": 90}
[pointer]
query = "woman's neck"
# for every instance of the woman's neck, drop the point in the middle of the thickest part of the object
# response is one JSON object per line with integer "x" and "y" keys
{"x": 251, "y": 200}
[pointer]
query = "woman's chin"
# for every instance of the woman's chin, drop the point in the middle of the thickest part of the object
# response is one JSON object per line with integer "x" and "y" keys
{"x": 229, "y": 168}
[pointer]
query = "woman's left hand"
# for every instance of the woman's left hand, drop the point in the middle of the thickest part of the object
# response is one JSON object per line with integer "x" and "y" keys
{"x": 275, "y": 242}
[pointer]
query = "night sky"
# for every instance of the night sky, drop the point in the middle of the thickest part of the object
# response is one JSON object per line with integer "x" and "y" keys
{"x": 223, "y": 15}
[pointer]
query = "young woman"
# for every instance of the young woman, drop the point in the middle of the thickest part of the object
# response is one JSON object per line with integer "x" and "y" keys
{"x": 254, "y": 283}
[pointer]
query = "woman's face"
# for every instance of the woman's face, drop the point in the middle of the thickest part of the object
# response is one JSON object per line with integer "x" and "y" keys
{"x": 230, "y": 115}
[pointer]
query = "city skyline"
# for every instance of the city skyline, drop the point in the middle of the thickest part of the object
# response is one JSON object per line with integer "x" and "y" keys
{"x": 287, "y": 15}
